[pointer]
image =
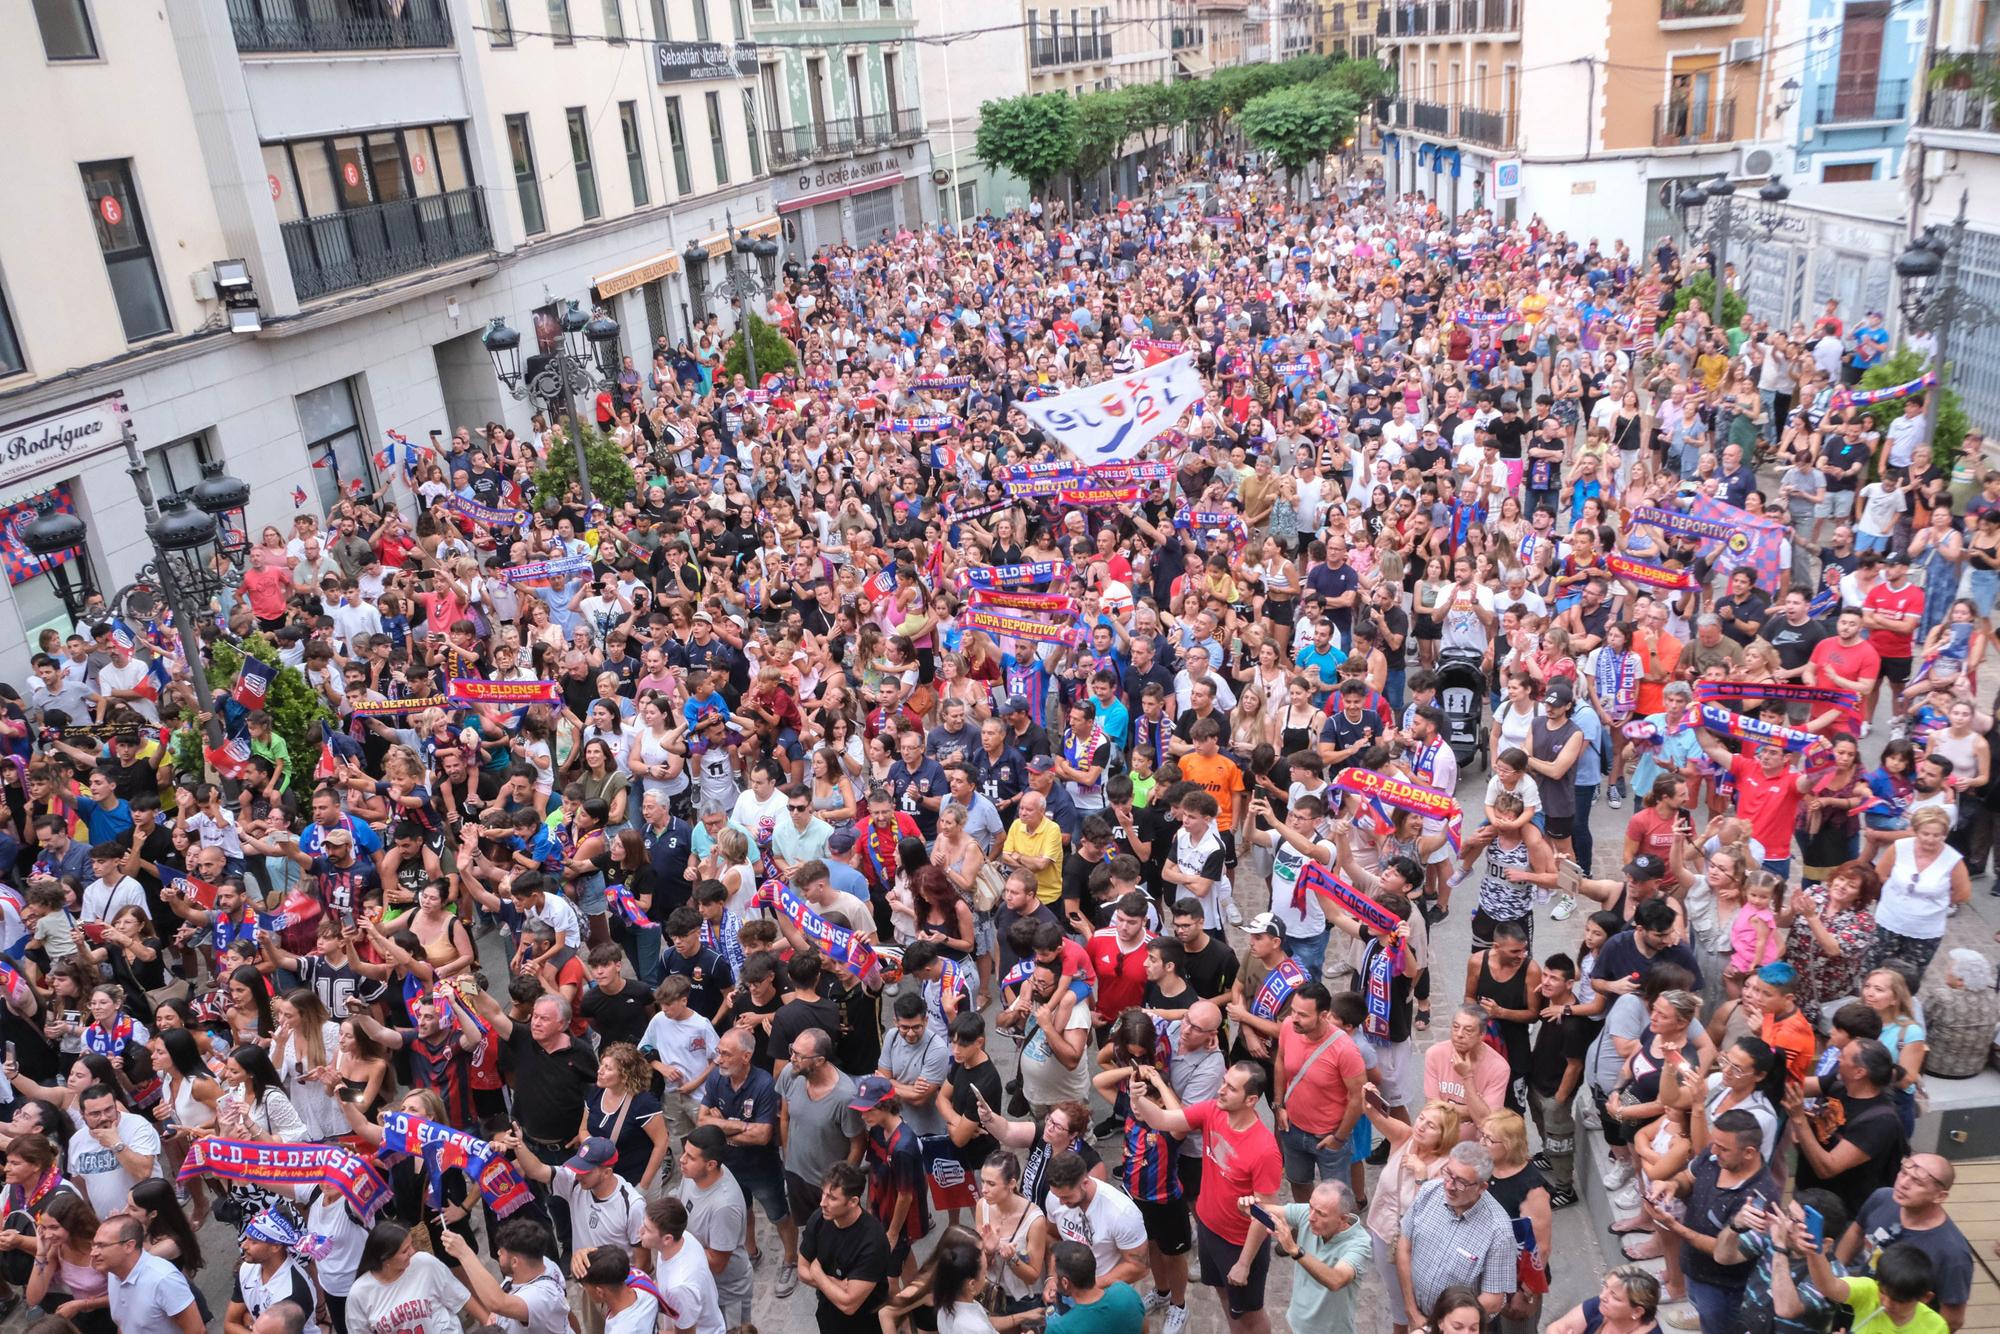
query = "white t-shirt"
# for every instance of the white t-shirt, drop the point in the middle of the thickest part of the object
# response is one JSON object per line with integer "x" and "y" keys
{"x": 112, "y": 677}
{"x": 97, "y": 1169}
{"x": 332, "y": 1241}
{"x": 750, "y": 813}
{"x": 1880, "y": 505}
{"x": 102, "y": 902}
{"x": 687, "y": 1045}
{"x": 425, "y": 1300}
{"x": 641, "y": 1317}
{"x": 547, "y": 1302}
{"x": 1286, "y": 864}
{"x": 1109, "y": 1224}
{"x": 560, "y": 917}
{"x": 689, "y": 1286}
{"x": 613, "y": 1221}
{"x": 290, "y": 1284}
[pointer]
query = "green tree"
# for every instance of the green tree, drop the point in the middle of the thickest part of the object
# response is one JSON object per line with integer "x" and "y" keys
{"x": 1104, "y": 121}
{"x": 1702, "y": 288}
{"x": 1366, "y": 80}
{"x": 1034, "y": 136}
{"x": 1902, "y": 367}
{"x": 294, "y": 707}
{"x": 1300, "y": 124}
{"x": 775, "y": 353}
{"x": 611, "y": 479}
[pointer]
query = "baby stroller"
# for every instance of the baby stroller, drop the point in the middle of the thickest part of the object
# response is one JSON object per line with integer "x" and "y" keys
{"x": 1462, "y": 696}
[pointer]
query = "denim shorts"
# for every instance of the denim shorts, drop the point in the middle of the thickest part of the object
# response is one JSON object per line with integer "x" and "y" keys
{"x": 1304, "y": 1157}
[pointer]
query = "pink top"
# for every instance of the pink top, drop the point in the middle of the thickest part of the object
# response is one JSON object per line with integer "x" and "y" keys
{"x": 1490, "y": 1074}
{"x": 81, "y": 1281}
{"x": 1743, "y": 939}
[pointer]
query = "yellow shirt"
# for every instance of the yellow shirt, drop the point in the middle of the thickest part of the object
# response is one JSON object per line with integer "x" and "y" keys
{"x": 1044, "y": 842}
{"x": 1865, "y": 1296}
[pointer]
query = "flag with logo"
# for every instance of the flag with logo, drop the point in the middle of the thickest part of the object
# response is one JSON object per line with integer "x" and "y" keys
{"x": 1115, "y": 419}
{"x": 1755, "y": 542}
{"x": 253, "y": 684}
{"x": 153, "y": 685}
{"x": 22, "y": 564}
{"x": 950, "y": 1184}
{"x": 230, "y": 759}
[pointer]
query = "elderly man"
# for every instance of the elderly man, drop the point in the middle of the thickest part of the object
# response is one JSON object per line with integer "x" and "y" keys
{"x": 552, "y": 1073}
{"x": 1034, "y": 845}
{"x": 1328, "y": 1241}
{"x": 1912, "y": 1211}
{"x": 741, "y": 1100}
{"x": 1457, "y": 1235}
{"x": 1465, "y": 1071}
{"x": 1711, "y": 648}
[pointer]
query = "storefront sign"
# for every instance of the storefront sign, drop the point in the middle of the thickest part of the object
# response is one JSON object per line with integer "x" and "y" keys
{"x": 1507, "y": 178}
{"x": 690, "y": 62}
{"x": 636, "y": 275}
{"x": 60, "y": 440}
{"x": 813, "y": 185}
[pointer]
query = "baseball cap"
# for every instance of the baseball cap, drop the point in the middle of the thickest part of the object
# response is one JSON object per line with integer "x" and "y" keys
{"x": 1559, "y": 692}
{"x": 843, "y": 840}
{"x": 1645, "y": 866}
{"x": 1896, "y": 557}
{"x": 1264, "y": 924}
{"x": 1041, "y": 764}
{"x": 871, "y": 1092}
{"x": 704, "y": 616}
{"x": 593, "y": 1153}
{"x": 1015, "y": 704}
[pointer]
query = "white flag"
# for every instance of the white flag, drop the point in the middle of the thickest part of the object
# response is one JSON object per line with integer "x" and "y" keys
{"x": 1112, "y": 421}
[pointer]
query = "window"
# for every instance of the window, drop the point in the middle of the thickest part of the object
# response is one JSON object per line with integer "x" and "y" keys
{"x": 559, "y": 22}
{"x": 11, "y": 360}
{"x": 501, "y": 21}
{"x": 526, "y": 184}
{"x": 736, "y": 17}
{"x": 332, "y": 427}
{"x": 715, "y": 139}
{"x": 701, "y": 32}
{"x": 635, "y": 158}
{"x": 65, "y": 26}
{"x": 1836, "y": 173}
{"x": 678, "y": 146}
{"x": 614, "y": 23}
{"x": 874, "y": 214}
{"x": 586, "y": 173}
{"x": 661, "y": 31}
{"x": 654, "y": 296}
{"x": 750, "y": 132}
{"x": 892, "y": 90}
{"x": 176, "y": 467}
{"x": 128, "y": 255}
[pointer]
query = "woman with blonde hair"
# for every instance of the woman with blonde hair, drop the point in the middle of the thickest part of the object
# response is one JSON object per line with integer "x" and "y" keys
{"x": 1887, "y": 992}
{"x": 1523, "y": 1193}
{"x": 1417, "y": 1152}
{"x": 622, "y": 1109}
{"x": 302, "y": 1050}
{"x": 1923, "y": 880}
{"x": 1627, "y": 1302}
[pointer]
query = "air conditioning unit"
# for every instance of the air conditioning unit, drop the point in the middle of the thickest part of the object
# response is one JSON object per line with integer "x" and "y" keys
{"x": 1745, "y": 48}
{"x": 1757, "y": 162}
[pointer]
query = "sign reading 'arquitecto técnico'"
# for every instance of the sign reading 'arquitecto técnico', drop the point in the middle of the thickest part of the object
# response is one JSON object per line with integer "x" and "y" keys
{"x": 60, "y": 439}
{"x": 689, "y": 62}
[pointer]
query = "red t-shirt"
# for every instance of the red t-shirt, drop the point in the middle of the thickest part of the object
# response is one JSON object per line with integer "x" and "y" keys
{"x": 1235, "y": 1163}
{"x": 1905, "y": 601}
{"x": 1121, "y": 977}
{"x": 1770, "y": 802}
{"x": 1857, "y": 662}
{"x": 267, "y": 587}
{"x": 1317, "y": 1101}
{"x": 1653, "y": 832}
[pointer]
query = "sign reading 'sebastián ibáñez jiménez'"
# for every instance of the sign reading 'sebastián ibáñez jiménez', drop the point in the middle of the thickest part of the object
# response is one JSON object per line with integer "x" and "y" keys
{"x": 59, "y": 439}
{"x": 690, "y": 62}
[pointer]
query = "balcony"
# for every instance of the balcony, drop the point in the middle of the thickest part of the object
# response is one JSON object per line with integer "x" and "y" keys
{"x": 1862, "y": 101}
{"x": 1966, "y": 92}
{"x": 837, "y": 138}
{"x": 1182, "y": 38}
{"x": 365, "y": 246}
{"x": 1682, "y": 125}
{"x": 1448, "y": 18}
{"x": 1697, "y": 13}
{"x": 1491, "y": 129}
{"x": 1431, "y": 118}
{"x": 1068, "y": 49}
{"x": 338, "y": 25}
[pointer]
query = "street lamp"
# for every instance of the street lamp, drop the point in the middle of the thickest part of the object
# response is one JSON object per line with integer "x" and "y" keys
{"x": 585, "y": 360}
{"x": 1715, "y": 231}
{"x": 741, "y": 285}
{"x": 1934, "y": 300}
{"x": 1770, "y": 208}
{"x": 55, "y": 533}
{"x": 184, "y": 573}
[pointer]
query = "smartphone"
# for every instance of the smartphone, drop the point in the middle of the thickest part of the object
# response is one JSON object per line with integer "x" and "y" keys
{"x": 10, "y": 1053}
{"x": 74, "y": 1018}
{"x": 1568, "y": 875}
{"x": 1815, "y": 1225}
{"x": 1262, "y": 1215}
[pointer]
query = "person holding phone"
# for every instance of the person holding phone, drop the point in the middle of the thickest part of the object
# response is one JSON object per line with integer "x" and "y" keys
{"x": 1326, "y": 1238}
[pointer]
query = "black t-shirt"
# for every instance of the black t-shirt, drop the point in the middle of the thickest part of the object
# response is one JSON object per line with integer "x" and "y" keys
{"x": 1213, "y": 971}
{"x": 1076, "y": 873}
{"x": 1509, "y": 432}
{"x": 1794, "y": 643}
{"x": 1620, "y": 957}
{"x": 1870, "y": 1123}
{"x": 1342, "y": 732}
{"x": 1756, "y": 607}
{"x": 1843, "y": 453}
{"x": 1395, "y": 621}
{"x": 617, "y": 1018}
{"x": 708, "y": 974}
{"x": 860, "y": 1250}
{"x": 549, "y": 1087}
{"x": 962, "y": 1081}
{"x": 796, "y": 1015}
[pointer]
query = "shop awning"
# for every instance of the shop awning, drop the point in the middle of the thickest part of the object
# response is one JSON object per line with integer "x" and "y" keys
{"x": 637, "y": 275}
{"x": 718, "y": 244}
{"x": 1195, "y": 63}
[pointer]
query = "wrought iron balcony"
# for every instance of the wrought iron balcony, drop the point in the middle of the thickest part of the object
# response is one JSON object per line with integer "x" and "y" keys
{"x": 1862, "y": 100}
{"x": 1965, "y": 92}
{"x": 1069, "y": 49}
{"x": 1684, "y": 124}
{"x": 365, "y": 246}
{"x": 834, "y": 138}
{"x": 1447, "y": 18}
{"x": 338, "y": 25}
{"x": 1494, "y": 129}
{"x": 1431, "y": 117}
{"x": 1676, "y": 11}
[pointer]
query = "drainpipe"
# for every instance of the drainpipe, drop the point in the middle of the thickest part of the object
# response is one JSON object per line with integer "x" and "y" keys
{"x": 1589, "y": 64}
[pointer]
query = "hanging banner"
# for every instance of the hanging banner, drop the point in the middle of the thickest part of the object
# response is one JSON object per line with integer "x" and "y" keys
{"x": 1116, "y": 419}
{"x": 1868, "y": 398}
{"x": 1094, "y": 496}
{"x": 1647, "y": 573}
{"x": 22, "y": 564}
{"x": 1061, "y": 604}
{"x": 1020, "y": 627}
{"x": 1014, "y": 576}
{"x": 382, "y": 708}
{"x": 489, "y": 515}
{"x": 504, "y": 692}
{"x": 548, "y": 573}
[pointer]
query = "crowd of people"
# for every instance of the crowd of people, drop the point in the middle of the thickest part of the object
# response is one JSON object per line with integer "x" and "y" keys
{"x": 653, "y": 867}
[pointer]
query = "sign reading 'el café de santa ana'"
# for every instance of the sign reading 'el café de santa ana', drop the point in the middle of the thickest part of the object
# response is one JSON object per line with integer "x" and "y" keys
{"x": 835, "y": 180}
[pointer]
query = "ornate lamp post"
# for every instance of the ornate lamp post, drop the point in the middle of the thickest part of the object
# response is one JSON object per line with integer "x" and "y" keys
{"x": 1934, "y": 300}
{"x": 743, "y": 286}
{"x": 585, "y": 361}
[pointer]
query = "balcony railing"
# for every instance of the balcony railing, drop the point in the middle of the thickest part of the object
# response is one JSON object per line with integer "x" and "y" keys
{"x": 1445, "y": 18}
{"x": 1431, "y": 117}
{"x": 368, "y": 245}
{"x": 1675, "y": 11}
{"x": 1681, "y": 124}
{"x": 1069, "y": 49}
{"x": 1494, "y": 129}
{"x": 338, "y": 25}
{"x": 1863, "y": 100}
{"x": 1963, "y": 93}
{"x": 834, "y": 138}
{"x": 1184, "y": 37}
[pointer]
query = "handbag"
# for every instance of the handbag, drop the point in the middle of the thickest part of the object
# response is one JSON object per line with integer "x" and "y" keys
{"x": 987, "y": 887}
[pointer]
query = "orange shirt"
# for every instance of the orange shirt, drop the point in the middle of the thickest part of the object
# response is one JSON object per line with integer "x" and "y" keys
{"x": 1793, "y": 1039}
{"x": 1218, "y": 776}
{"x": 1661, "y": 653}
